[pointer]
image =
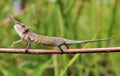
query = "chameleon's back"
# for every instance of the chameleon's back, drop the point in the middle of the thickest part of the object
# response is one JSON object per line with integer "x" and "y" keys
{"x": 50, "y": 41}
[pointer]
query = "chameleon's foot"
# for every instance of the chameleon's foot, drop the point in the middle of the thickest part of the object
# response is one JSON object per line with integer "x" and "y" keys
{"x": 26, "y": 50}
{"x": 61, "y": 52}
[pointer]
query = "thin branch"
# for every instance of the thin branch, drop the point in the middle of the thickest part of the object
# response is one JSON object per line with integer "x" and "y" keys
{"x": 68, "y": 51}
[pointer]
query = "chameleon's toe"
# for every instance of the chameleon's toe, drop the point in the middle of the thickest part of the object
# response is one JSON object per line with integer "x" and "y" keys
{"x": 62, "y": 52}
{"x": 26, "y": 50}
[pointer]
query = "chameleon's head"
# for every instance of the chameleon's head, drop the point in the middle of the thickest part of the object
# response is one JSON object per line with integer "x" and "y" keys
{"x": 20, "y": 28}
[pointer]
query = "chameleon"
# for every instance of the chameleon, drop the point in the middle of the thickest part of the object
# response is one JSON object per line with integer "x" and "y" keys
{"x": 26, "y": 33}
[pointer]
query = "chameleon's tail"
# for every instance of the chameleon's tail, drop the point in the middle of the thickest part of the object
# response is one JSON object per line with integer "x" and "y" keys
{"x": 70, "y": 42}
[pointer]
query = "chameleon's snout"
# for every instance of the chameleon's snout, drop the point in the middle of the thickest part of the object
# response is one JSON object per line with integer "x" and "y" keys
{"x": 12, "y": 19}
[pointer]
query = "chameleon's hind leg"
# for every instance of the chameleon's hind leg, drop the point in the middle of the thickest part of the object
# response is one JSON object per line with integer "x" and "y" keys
{"x": 66, "y": 46}
{"x": 62, "y": 52}
{"x": 62, "y": 49}
{"x": 28, "y": 45}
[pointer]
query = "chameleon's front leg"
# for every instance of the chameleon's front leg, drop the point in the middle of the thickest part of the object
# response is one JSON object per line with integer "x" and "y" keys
{"x": 28, "y": 45}
{"x": 16, "y": 42}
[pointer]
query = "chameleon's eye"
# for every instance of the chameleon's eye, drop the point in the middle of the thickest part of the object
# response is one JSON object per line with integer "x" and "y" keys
{"x": 23, "y": 25}
{"x": 26, "y": 31}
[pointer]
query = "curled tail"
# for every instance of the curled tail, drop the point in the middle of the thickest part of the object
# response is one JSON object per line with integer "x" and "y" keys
{"x": 70, "y": 42}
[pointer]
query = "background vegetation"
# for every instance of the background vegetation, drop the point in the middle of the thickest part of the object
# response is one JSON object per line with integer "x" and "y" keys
{"x": 72, "y": 19}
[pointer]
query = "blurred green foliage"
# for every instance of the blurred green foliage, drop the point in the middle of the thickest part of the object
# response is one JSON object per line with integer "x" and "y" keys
{"x": 71, "y": 19}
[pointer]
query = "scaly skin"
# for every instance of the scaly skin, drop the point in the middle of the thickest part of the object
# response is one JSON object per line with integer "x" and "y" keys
{"x": 26, "y": 34}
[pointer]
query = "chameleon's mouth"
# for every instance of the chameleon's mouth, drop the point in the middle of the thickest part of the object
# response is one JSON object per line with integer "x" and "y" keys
{"x": 18, "y": 28}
